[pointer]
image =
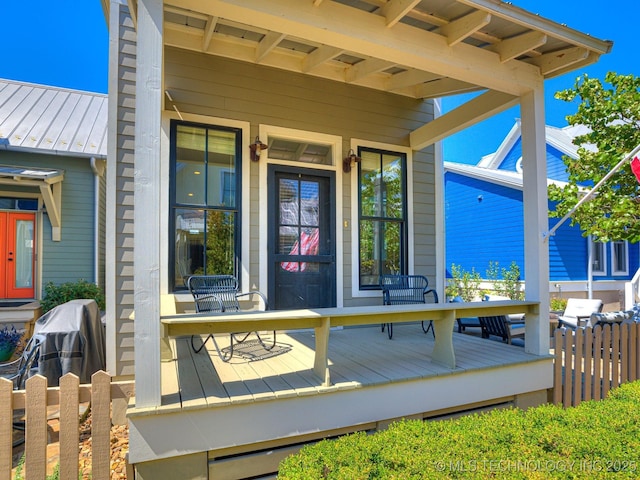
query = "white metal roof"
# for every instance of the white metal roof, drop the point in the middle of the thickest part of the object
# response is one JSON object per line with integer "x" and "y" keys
{"x": 55, "y": 120}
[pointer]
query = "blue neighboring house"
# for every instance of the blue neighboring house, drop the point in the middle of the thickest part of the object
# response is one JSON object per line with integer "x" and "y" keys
{"x": 484, "y": 222}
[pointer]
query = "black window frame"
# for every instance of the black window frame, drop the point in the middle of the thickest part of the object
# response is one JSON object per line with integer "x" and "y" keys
{"x": 173, "y": 205}
{"x": 404, "y": 222}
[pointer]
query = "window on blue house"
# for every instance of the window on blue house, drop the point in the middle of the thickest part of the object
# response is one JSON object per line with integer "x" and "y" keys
{"x": 205, "y": 197}
{"x": 382, "y": 212}
{"x": 598, "y": 258}
{"x": 619, "y": 258}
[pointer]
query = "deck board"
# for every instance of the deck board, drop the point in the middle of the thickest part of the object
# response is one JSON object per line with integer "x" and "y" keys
{"x": 358, "y": 357}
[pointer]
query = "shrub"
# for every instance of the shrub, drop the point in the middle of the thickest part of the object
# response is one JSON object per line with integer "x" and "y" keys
{"x": 597, "y": 439}
{"x": 463, "y": 284}
{"x": 506, "y": 282}
{"x": 55, "y": 295}
{"x": 558, "y": 304}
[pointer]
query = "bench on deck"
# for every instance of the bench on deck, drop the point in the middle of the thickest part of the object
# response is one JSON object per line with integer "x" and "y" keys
{"x": 322, "y": 319}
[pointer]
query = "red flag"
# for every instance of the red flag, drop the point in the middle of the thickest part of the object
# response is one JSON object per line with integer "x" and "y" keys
{"x": 635, "y": 168}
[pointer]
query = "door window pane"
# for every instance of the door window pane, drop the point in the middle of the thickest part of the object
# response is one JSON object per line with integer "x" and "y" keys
{"x": 24, "y": 254}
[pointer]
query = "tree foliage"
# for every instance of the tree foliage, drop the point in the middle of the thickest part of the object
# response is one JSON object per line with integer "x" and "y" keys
{"x": 611, "y": 111}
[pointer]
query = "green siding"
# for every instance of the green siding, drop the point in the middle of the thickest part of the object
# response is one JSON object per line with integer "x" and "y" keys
{"x": 73, "y": 257}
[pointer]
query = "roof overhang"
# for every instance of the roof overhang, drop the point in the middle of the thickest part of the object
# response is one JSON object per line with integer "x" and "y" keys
{"x": 48, "y": 181}
{"x": 417, "y": 48}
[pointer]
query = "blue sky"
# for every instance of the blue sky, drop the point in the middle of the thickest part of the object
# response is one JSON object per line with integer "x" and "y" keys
{"x": 66, "y": 44}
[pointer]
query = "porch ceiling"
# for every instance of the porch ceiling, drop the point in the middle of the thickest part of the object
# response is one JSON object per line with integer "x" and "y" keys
{"x": 417, "y": 48}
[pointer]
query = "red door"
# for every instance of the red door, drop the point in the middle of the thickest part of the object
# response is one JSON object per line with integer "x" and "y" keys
{"x": 17, "y": 255}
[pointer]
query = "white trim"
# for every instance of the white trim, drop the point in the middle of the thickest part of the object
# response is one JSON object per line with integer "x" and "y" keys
{"x": 614, "y": 270}
{"x": 355, "y": 274}
{"x": 245, "y": 205}
{"x": 264, "y": 131}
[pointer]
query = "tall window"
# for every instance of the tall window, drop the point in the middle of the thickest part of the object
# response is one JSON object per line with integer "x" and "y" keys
{"x": 619, "y": 258}
{"x": 205, "y": 198}
{"x": 382, "y": 213}
{"x": 598, "y": 258}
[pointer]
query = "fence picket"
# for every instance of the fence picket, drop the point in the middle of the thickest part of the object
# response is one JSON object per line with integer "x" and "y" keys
{"x": 36, "y": 428}
{"x": 578, "y": 368}
{"x": 69, "y": 433}
{"x": 100, "y": 425}
{"x": 6, "y": 411}
{"x": 588, "y": 365}
{"x": 557, "y": 367}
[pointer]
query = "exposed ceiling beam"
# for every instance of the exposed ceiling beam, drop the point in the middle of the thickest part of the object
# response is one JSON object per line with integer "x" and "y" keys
{"x": 319, "y": 56}
{"x": 589, "y": 60}
{"x": 550, "y": 62}
{"x": 366, "y": 68}
{"x": 479, "y": 108}
{"x": 208, "y": 32}
{"x": 443, "y": 87}
{"x": 409, "y": 78}
{"x": 394, "y": 10}
{"x": 464, "y": 27}
{"x": 267, "y": 44}
{"x": 514, "y": 47}
{"x": 365, "y": 34}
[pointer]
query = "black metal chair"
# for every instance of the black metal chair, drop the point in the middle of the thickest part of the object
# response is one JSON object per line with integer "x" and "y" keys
{"x": 405, "y": 290}
{"x": 219, "y": 293}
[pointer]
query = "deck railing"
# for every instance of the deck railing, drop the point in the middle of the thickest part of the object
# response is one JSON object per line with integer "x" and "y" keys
{"x": 107, "y": 401}
{"x": 589, "y": 362}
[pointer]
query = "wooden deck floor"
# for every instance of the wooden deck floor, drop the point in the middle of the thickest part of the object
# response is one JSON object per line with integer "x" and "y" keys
{"x": 359, "y": 357}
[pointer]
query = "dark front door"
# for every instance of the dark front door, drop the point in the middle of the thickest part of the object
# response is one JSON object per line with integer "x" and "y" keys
{"x": 302, "y": 271}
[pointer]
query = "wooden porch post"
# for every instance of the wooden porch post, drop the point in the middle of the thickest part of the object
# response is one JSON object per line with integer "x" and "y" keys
{"x": 147, "y": 197}
{"x": 536, "y": 218}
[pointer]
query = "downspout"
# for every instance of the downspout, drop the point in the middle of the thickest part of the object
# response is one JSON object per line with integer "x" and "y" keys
{"x": 97, "y": 167}
{"x": 590, "y": 268}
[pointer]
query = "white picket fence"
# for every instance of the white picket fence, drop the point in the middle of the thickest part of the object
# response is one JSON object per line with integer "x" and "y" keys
{"x": 107, "y": 400}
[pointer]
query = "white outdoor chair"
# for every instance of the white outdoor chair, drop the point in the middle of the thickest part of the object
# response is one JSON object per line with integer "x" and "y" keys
{"x": 578, "y": 312}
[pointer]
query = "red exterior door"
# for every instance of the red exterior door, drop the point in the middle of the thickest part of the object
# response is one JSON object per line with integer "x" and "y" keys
{"x": 17, "y": 255}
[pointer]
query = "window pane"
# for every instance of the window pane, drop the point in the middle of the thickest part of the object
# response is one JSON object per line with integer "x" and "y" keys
{"x": 220, "y": 243}
{"x": 24, "y": 254}
{"x": 190, "y": 165}
{"x": 392, "y": 193}
{"x": 619, "y": 257}
{"x": 380, "y": 250}
{"x": 189, "y": 246}
{"x": 309, "y": 200}
{"x": 369, "y": 253}
{"x": 598, "y": 257}
{"x": 221, "y": 161}
{"x": 370, "y": 185}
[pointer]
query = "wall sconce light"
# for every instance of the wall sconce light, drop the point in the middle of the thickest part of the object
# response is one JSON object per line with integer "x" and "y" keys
{"x": 256, "y": 148}
{"x": 350, "y": 161}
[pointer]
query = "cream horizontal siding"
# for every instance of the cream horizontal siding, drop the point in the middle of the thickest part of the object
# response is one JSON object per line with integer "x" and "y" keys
{"x": 211, "y": 86}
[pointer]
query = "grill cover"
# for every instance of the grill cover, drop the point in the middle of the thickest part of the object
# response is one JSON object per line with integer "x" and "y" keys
{"x": 73, "y": 340}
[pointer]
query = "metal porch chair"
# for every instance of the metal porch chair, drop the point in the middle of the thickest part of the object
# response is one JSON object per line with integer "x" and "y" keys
{"x": 404, "y": 290}
{"x": 219, "y": 293}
